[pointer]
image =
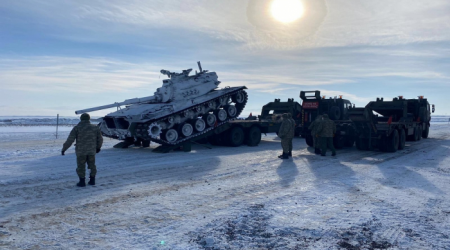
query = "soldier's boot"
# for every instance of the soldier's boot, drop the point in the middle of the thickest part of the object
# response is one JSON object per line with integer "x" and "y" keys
{"x": 91, "y": 180}
{"x": 290, "y": 153}
{"x": 284, "y": 156}
{"x": 82, "y": 182}
{"x": 317, "y": 151}
{"x": 281, "y": 156}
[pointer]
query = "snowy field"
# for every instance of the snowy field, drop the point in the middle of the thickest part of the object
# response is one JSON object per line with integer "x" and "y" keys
{"x": 224, "y": 198}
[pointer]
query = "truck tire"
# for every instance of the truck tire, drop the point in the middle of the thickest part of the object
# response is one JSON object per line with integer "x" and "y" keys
{"x": 402, "y": 139}
{"x": 335, "y": 113}
{"x": 382, "y": 144}
{"x": 392, "y": 142}
{"x": 362, "y": 144}
{"x": 309, "y": 140}
{"x": 146, "y": 143}
{"x": 349, "y": 141}
{"x": 253, "y": 136}
{"x": 339, "y": 141}
{"x": 216, "y": 139}
{"x": 426, "y": 131}
{"x": 235, "y": 137}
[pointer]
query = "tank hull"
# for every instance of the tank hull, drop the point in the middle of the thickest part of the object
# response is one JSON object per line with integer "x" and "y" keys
{"x": 175, "y": 122}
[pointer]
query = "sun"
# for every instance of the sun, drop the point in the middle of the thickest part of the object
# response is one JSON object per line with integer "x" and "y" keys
{"x": 286, "y": 11}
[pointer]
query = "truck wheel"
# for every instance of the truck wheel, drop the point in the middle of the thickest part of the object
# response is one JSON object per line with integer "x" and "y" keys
{"x": 335, "y": 113}
{"x": 426, "y": 131}
{"x": 146, "y": 143}
{"x": 402, "y": 139}
{"x": 235, "y": 137}
{"x": 339, "y": 141}
{"x": 382, "y": 144}
{"x": 362, "y": 144}
{"x": 309, "y": 140}
{"x": 253, "y": 137}
{"x": 349, "y": 141}
{"x": 392, "y": 142}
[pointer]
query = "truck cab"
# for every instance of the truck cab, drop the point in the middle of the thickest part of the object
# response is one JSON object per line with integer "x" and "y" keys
{"x": 272, "y": 111}
{"x": 336, "y": 108}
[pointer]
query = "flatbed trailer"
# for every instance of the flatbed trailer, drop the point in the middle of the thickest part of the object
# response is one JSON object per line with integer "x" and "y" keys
{"x": 386, "y": 125}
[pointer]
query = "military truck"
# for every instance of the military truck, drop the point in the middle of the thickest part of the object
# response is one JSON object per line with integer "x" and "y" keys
{"x": 313, "y": 105}
{"x": 386, "y": 125}
{"x": 248, "y": 131}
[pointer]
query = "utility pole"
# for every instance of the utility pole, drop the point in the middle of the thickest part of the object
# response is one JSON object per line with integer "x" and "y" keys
{"x": 57, "y": 123}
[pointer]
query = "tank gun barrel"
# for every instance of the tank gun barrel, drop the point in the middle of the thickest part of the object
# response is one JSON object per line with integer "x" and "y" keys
{"x": 118, "y": 104}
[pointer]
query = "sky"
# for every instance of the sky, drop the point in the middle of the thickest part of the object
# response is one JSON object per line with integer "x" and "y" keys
{"x": 59, "y": 56}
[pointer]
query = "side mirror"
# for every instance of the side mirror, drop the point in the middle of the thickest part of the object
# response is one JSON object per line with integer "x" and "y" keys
{"x": 432, "y": 109}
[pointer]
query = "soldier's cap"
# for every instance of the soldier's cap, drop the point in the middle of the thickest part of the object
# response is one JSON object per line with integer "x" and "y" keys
{"x": 85, "y": 117}
{"x": 325, "y": 116}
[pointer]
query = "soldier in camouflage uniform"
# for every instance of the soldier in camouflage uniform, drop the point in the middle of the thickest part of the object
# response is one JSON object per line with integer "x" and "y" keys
{"x": 313, "y": 127}
{"x": 286, "y": 134}
{"x": 292, "y": 134}
{"x": 89, "y": 142}
{"x": 326, "y": 131}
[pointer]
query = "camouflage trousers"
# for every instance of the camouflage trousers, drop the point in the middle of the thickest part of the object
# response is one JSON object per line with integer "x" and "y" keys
{"x": 327, "y": 142}
{"x": 316, "y": 142}
{"x": 286, "y": 144}
{"x": 81, "y": 165}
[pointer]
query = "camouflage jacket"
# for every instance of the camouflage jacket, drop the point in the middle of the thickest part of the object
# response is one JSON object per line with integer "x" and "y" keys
{"x": 293, "y": 128}
{"x": 326, "y": 128}
{"x": 286, "y": 129}
{"x": 314, "y": 126}
{"x": 88, "y": 138}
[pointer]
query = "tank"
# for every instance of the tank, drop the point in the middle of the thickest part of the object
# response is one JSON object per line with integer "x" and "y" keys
{"x": 184, "y": 107}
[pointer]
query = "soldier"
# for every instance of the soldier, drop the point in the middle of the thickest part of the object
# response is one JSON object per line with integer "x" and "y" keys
{"x": 286, "y": 135}
{"x": 89, "y": 142}
{"x": 313, "y": 127}
{"x": 326, "y": 131}
{"x": 292, "y": 134}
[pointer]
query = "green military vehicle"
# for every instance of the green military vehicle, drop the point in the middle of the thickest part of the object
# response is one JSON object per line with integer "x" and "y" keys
{"x": 386, "y": 125}
{"x": 313, "y": 105}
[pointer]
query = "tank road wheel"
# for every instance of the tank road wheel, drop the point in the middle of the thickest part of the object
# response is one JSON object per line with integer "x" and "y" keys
{"x": 339, "y": 141}
{"x": 221, "y": 115}
{"x": 186, "y": 129}
{"x": 235, "y": 137}
{"x": 210, "y": 119}
{"x": 170, "y": 135}
{"x": 199, "y": 125}
{"x": 402, "y": 139}
{"x": 231, "y": 110}
{"x": 392, "y": 142}
{"x": 239, "y": 97}
{"x": 426, "y": 131}
{"x": 253, "y": 137}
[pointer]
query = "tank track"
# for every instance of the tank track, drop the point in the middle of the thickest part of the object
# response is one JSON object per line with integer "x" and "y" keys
{"x": 141, "y": 130}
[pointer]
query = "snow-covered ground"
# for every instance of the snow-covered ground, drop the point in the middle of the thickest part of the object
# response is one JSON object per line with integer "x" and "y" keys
{"x": 224, "y": 198}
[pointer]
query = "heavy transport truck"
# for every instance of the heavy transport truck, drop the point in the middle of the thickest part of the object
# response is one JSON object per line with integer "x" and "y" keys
{"x": 248, "y": 131}
{"x": 386, "y": 125}
{"x": 337, "y": 108}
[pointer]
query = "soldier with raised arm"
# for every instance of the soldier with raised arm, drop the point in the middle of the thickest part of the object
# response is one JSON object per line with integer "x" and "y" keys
{"x": 89, "y": 141}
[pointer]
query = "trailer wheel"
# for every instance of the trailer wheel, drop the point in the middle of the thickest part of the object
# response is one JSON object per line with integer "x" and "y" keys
{"x": 253, "y": 137}
{"x": 382, "y": 143}
{"x": 392, "y": 142}
{"x": 309, "y": 140}
{"x": 146, "y": 143}
{"x": 339, "y": 141}
{"x": 362, "y": 144}
{"x": 426, "y": 131}
{"x": 401, "y": 144}
{"x": 235, "y": 137}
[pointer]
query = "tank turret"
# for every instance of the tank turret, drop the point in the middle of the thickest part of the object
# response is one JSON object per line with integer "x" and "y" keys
{"x": 184, "y": 107}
